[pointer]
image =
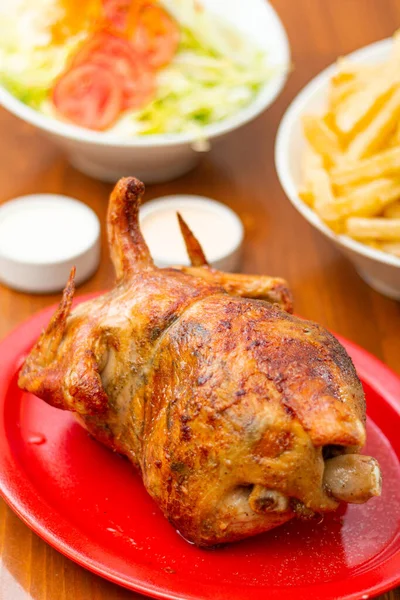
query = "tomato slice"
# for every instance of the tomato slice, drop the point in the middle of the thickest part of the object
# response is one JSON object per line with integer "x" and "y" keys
{"x": 89, "y": 95}
{"x": 116, "y": 12}
{"x": 137, "y": 80}
{"x": 156, "y": 35}
{"x": 102, "y": 41}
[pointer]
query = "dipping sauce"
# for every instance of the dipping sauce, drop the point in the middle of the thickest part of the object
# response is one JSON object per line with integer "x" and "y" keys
{"x": 46, "y": 230}
{"x": 218, "y": 229}
{"x": 41, "y": 237}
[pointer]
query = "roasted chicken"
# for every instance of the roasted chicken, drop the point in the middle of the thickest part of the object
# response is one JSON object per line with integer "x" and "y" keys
{"x": 238, "y": 415}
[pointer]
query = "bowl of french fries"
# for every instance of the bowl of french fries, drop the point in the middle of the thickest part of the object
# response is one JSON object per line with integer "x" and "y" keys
{"x": 338, "y": 159}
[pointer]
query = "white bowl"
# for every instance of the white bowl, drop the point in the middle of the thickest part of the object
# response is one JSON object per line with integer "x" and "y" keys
{"x": 157, "y": 158}
{"x": 380, "y": 270}
{"x": 203, "y": 215}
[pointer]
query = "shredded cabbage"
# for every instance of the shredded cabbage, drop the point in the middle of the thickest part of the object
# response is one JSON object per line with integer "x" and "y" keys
{"x": 29, "y": 63}
{"x": 215, "y": 73}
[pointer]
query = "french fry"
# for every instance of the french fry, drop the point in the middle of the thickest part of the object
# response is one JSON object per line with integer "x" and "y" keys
{"x": 351, "y": 168}
{"x": 373, "y": 244}
{"x": 339, "y": 93}
{"x": 307, "y": 196}
{"x": 348, "y": 80}
{"x": 374, "y": 135}
{"x": 310, "y": 160}
{"x": 381, "y": 164}
{"x": 391, "y": 248}
{"x": 359, "y": 107}
{"x": 321, "y": 138}
{"x": 324, "y": 200}
{"x": 345, "y": 71}
{"x": 395, "y": 53}
{"x": 348, "y": 70}
{"x": 395, "y": 139}
{"x": 368, "y": 200}
{"x": 365, "y": 201}
{"x": 392, "y": 211}
{"x": 380, "y": 229}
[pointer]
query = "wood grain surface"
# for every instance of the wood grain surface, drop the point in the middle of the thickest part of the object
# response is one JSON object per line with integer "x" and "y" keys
{"x": 240, "y": 172}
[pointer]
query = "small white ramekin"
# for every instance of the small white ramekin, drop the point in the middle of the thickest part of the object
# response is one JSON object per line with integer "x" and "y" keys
{"x": 379, "y": 269}
{"x": 226, "y": 254}
{"x": 48, "y": 234}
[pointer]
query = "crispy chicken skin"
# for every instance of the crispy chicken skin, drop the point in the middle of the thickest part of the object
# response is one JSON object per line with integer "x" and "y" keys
{"x": 238, "y": 415}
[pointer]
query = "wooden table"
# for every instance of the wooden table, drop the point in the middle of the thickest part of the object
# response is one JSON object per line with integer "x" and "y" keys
{"x": 241, "y": 173}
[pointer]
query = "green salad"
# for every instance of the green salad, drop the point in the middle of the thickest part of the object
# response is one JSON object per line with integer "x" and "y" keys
{"x": 214, "y": 73}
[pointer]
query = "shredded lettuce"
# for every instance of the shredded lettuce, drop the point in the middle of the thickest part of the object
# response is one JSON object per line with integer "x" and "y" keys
{"x": 29, "y": 62}
{"x": 214, "y": 74}
{"x": 201, "y": 86}
{"x": 32, "y": 96}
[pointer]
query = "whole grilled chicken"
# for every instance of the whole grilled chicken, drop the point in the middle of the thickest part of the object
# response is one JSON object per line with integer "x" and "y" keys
{"x": 238, "y": 415}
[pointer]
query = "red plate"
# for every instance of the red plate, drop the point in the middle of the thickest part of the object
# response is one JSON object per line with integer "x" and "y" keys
{"x": 90, "y": 505}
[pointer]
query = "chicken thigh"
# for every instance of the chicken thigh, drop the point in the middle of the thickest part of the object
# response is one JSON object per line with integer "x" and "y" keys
{"x": 237, "y": 414}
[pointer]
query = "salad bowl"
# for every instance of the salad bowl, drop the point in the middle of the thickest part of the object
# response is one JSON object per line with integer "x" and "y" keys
{"x": 160, "y": 157}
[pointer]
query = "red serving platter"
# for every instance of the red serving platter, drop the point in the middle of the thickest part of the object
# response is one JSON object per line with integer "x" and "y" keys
{"x": 90, "y": 504}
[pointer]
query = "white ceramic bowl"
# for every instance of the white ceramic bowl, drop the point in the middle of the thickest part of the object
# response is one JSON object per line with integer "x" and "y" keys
{"x": 203, "y": 215}
{"x": 380, "y": 270}
{"x": 162, "y": 157}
